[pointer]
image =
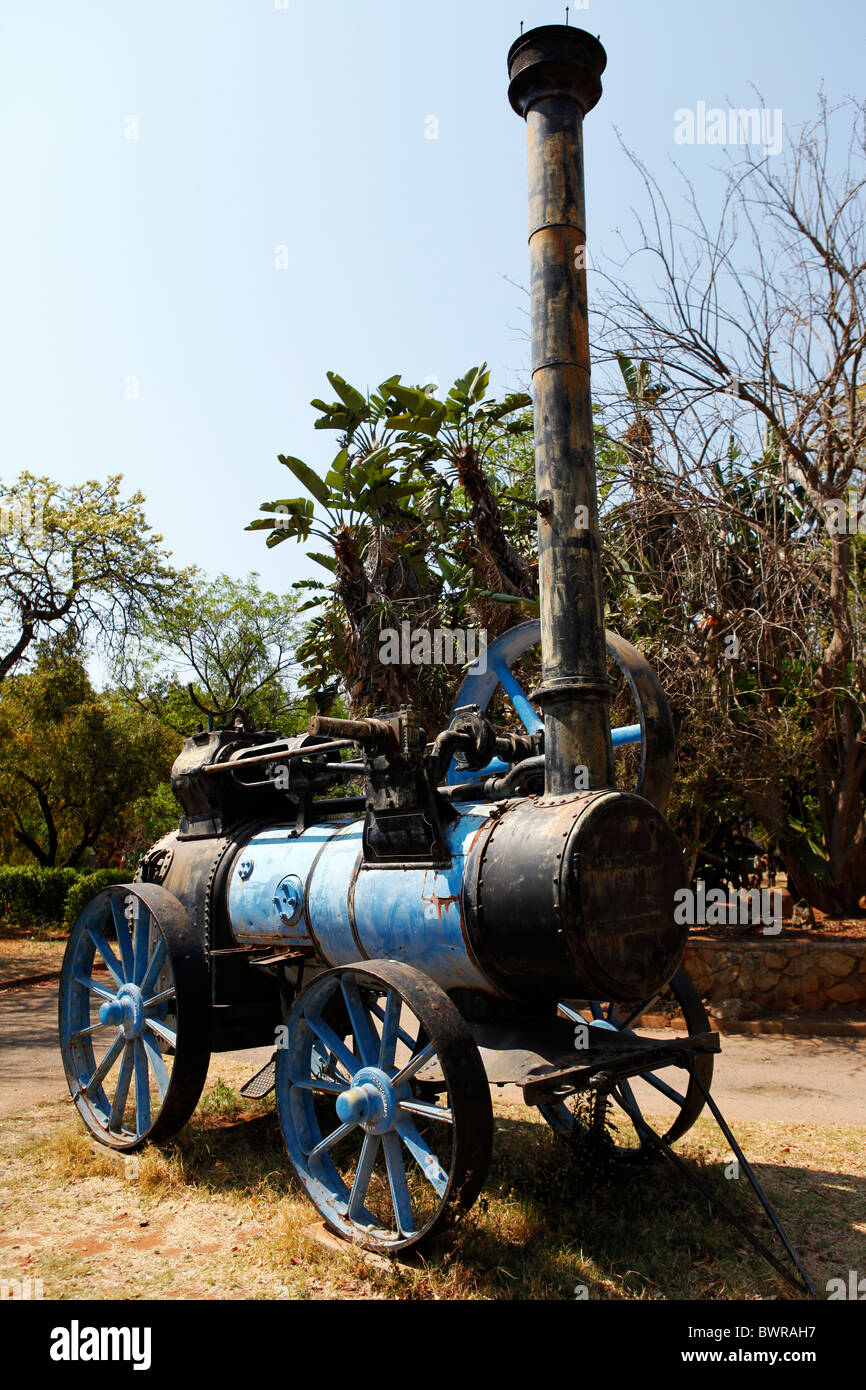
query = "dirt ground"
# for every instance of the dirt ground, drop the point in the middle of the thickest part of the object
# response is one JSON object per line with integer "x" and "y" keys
{"x": 221, "y": 1217}
{"x": 218, "y": 1214}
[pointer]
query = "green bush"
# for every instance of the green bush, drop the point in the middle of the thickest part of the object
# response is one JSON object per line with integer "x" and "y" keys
{"x": 31, "y": 896}
{"x": 87, "y": 886}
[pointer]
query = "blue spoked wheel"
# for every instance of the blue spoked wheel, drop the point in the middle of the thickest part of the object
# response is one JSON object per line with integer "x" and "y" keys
{"x": 670, "y": 1089}
{"x": 134, "y": 1015}
{"x": 384, "y": 1104}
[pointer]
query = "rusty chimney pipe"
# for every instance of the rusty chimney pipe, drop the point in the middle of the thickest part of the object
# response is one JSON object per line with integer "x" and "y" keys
{"x": 555, "y": 74}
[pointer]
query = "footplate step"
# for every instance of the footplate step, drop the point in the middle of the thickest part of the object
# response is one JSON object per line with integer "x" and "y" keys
{"x": 262, "y": 1083}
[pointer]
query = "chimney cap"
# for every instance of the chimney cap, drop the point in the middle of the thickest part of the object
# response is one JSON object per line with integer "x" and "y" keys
{"x": 555, "y": 60}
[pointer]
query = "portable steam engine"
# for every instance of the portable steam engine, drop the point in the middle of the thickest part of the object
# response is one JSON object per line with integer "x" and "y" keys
{"x": 472, "y": 919}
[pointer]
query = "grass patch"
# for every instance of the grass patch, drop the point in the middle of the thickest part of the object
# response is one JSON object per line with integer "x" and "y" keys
{"x": 71, "y": 1153}
{"x": 218, "y": 1213}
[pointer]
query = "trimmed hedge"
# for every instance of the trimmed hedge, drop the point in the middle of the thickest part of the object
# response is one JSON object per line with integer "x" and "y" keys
{"x": 87, "y": 886}
{"x": 31, "y": 896}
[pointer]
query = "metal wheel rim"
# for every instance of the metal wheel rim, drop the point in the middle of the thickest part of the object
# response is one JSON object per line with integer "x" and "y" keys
{"x": 147, "y": 1010}
{"x": 316, "y": 1062}
{"x": 691, "y": 1103}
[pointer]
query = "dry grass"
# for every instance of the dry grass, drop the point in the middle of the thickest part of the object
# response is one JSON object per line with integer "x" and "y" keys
{"x": 218, "y": 1214}
{"x": 27, "y": 954}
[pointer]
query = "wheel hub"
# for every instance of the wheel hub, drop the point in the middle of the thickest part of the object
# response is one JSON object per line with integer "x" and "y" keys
{"x": 370, "y": 1102}
{"x": 125, "y": 1010}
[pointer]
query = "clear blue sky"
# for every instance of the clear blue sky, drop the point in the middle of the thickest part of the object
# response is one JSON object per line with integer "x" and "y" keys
{"x": 304, "y": 127}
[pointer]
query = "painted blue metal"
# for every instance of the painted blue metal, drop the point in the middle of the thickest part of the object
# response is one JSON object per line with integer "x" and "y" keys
{"x": 373, "y": 1104}
{"x": 125, "y": 1007}
{"x": 415, "y": 915}
{"x": 329, "y": 897}
{"x": 627, "y": 733}
{"x": 478, "y": 687}
{"x": 310, "y": 889}
{"x": 261, "y": 879}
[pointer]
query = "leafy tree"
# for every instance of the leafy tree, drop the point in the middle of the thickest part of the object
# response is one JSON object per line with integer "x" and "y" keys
{"x": 78, "y": 559}
{"x": 412, "y": 527}
{"x": 234, "y": 642}
{"x": 759, "y": 324}
{"x": 74, "y": 762}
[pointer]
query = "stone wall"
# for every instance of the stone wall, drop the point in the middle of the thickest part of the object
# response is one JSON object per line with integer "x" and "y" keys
{"x": 779, "y": 974}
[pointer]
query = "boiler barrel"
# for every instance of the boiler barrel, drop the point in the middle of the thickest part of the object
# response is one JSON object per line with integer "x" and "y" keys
{"x": 564, "y": 898}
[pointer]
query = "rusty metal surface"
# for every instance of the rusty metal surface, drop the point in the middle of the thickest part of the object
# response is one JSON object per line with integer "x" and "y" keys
{"x": 658, "y": 744}
{"x": 581, "y": 888}
{"x": 377, "y": 733}
{"x": 618, "y": 1057}
{"x": 555, "y": 78}
{"x": 543, "y": 1053}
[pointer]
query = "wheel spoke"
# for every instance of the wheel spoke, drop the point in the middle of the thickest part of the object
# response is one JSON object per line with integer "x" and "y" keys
{"x": 641, "y": 1009}
{"x": 403, "y": 1036}
{"x": 118, "y": 1105}
{"x": 627, "y": 1101}
{"x": 115, "y": 969}
{"x": 666, "y": 1090}
{"x": 141, "y": 941}
{"x": 363, "y": 1173}
{"x": 400, "y": 1198}
{"x": 423, "y": 1156}
{"x": 428, "y": 1110}
{"x": 154, "y": 966}
{"x": 335, "y": 1045}
{"x": 92, "y": 1028}
{"x": 415, "y": 1064}
{"x": 321, "y": 1083}
{"x": 87, "y": 983}
{"x": 366, "y": 1041}
{"x": 124, "y": 938}
{"x": 157, "y": 1065}
{"x": 142, "y": 1088}
{"x": 517, "y": 695}
{"x": 333, "y": 1138}
{"x": 159, "y": 998}
{"x": 107, "y": 1062}
{"x": 167, "y": 1034}
{"x": 390, "y": 1029}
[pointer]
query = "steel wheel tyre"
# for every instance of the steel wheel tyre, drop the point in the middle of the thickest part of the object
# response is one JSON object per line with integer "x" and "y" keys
{"x": 667, "y": 1081}
{"x": 391, "y": 1126}
{"x": 135, "y": 1035}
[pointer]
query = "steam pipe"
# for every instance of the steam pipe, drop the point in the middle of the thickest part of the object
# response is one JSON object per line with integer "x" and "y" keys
{"x": 555, "y": 74}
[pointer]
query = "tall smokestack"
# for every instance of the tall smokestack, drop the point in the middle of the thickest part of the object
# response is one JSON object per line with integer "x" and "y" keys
{"x": 555, "y": 77}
